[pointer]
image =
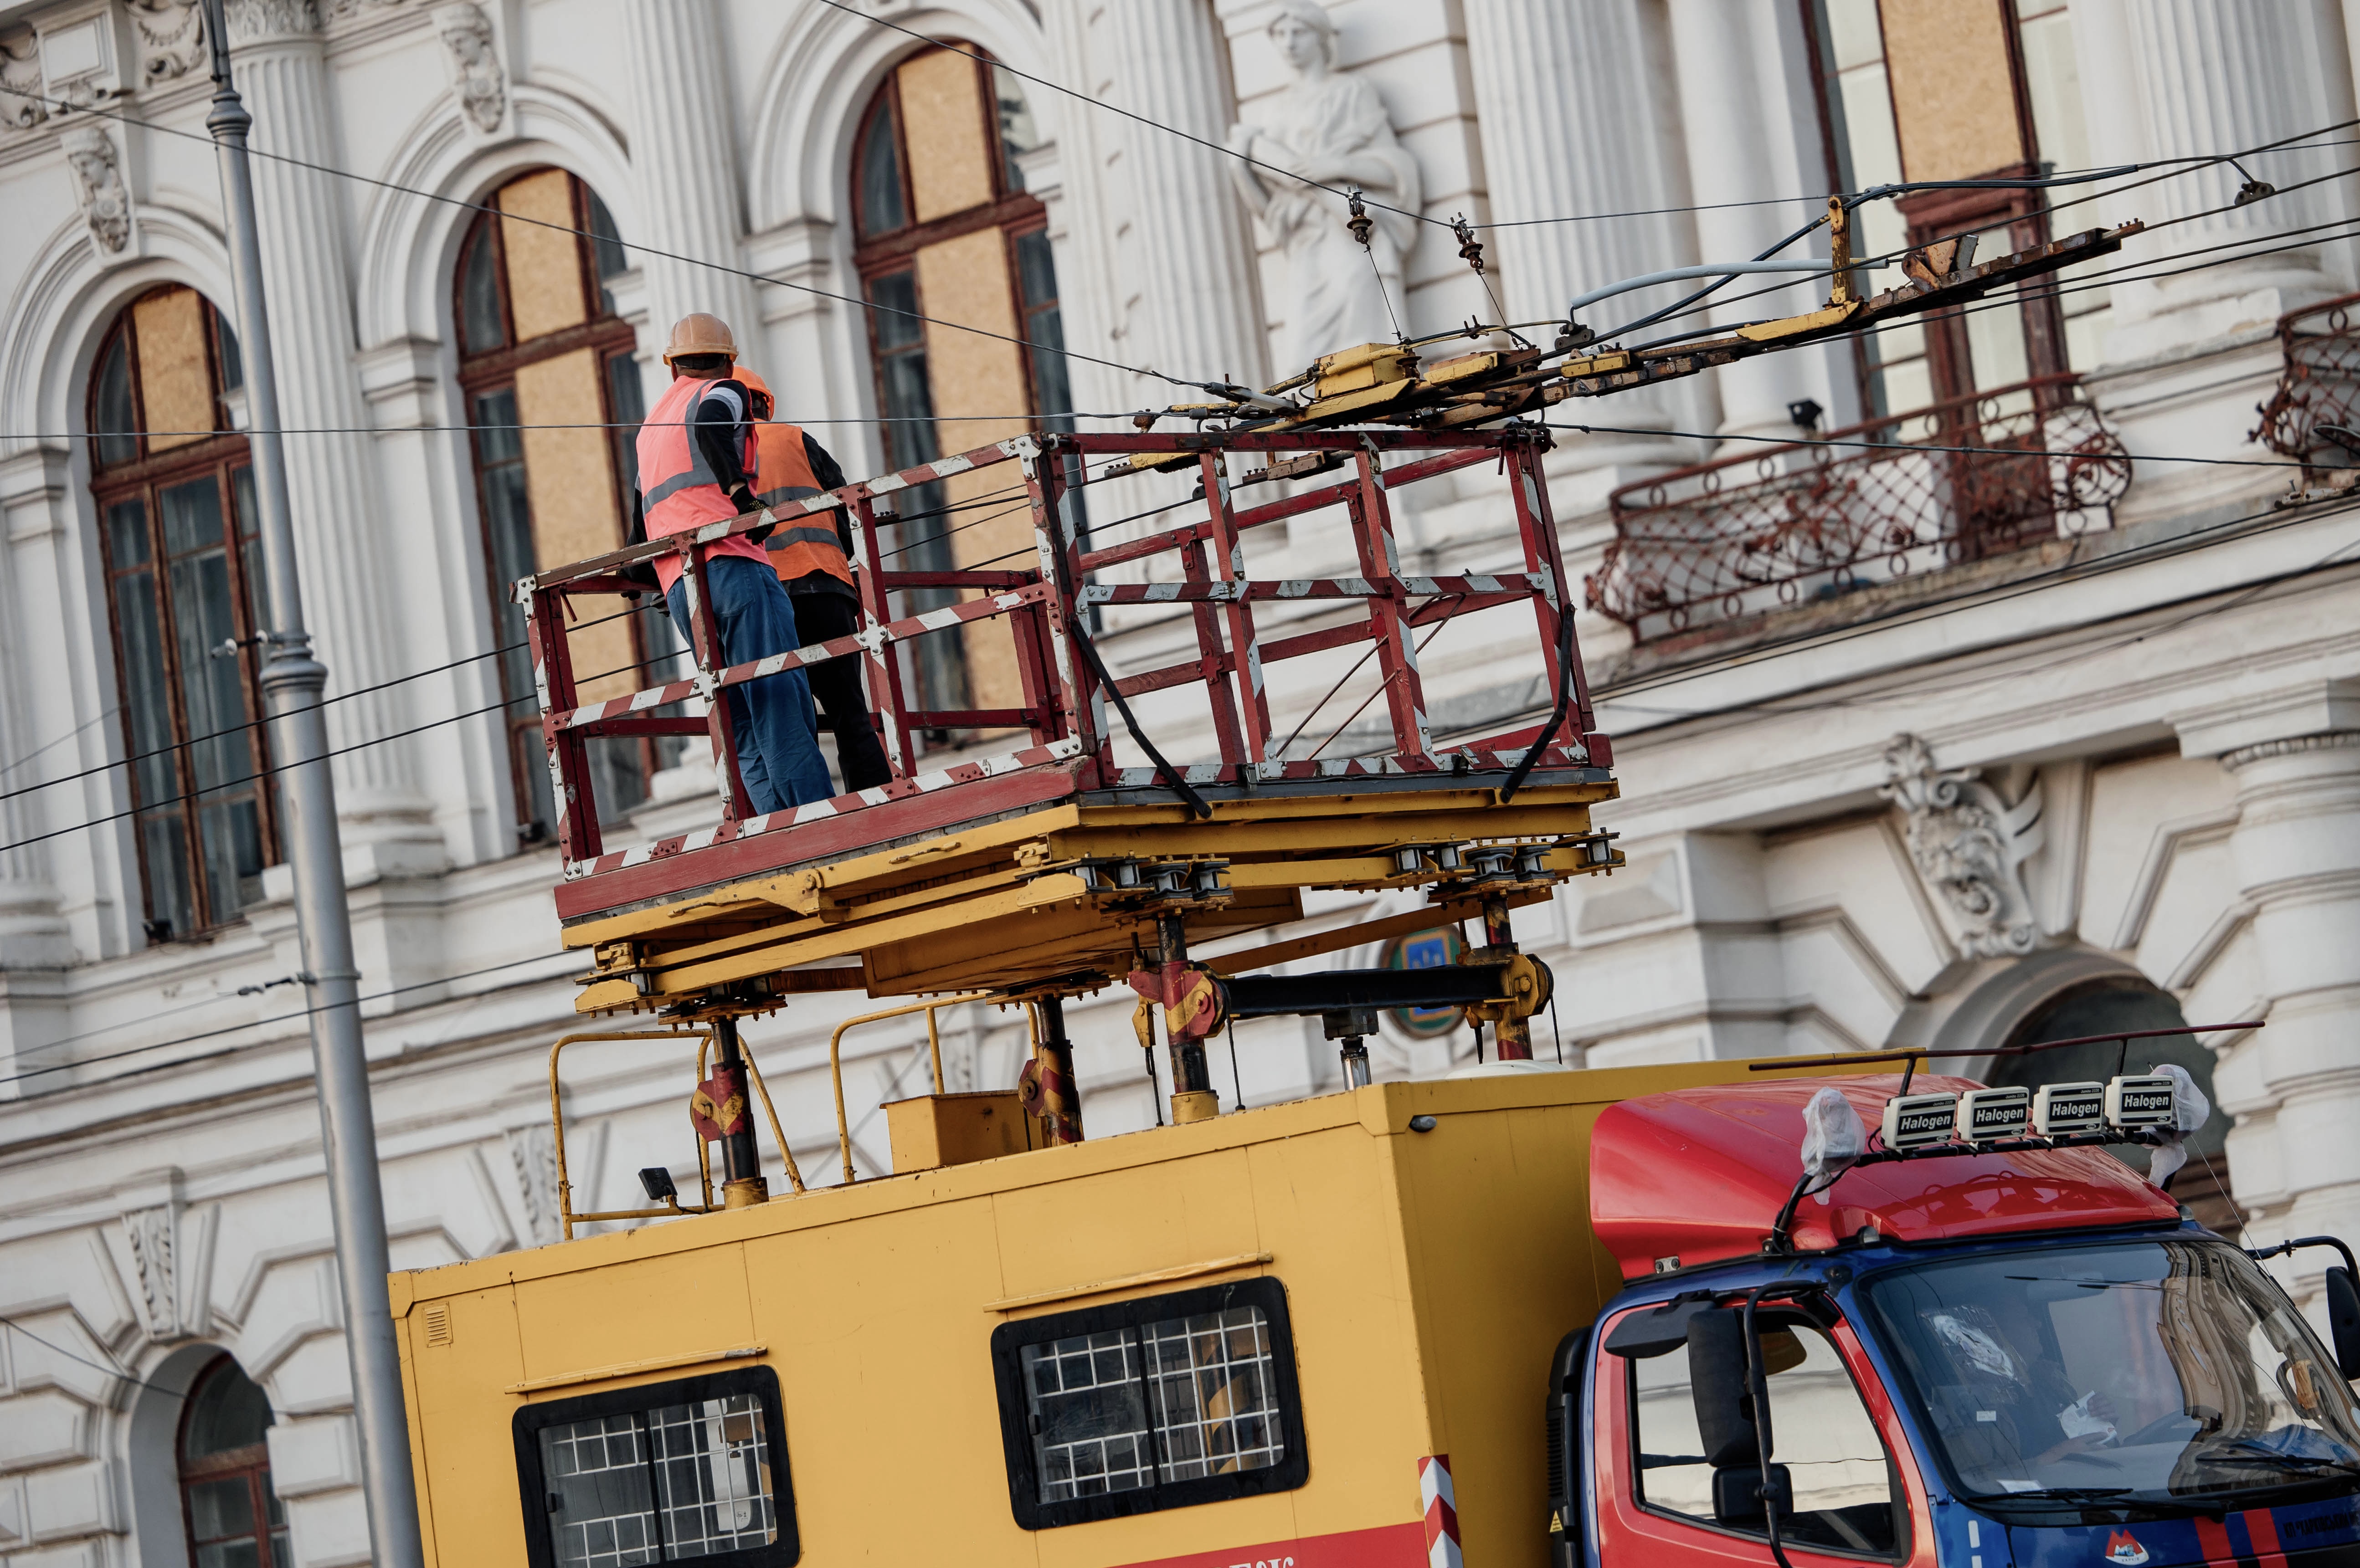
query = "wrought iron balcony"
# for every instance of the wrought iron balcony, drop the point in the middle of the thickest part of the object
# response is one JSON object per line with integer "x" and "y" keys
{"x": 2320, "y": 384}
{"x": 1800, "y": 524}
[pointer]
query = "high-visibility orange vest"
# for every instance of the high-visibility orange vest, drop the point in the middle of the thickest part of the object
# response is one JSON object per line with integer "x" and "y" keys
{"x": 678, "y": 489}
{"x": 803, "y": 545}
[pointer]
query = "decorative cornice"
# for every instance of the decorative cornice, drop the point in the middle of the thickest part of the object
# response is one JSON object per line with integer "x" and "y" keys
{"x": 21, "y": 105}
{"x": 2334, "y": 740}
{"x": 257, "y": 21}
{"x": 171, "y": 37}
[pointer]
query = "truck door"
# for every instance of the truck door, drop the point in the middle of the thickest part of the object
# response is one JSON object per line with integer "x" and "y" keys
{"x": 1660, "y": 1503}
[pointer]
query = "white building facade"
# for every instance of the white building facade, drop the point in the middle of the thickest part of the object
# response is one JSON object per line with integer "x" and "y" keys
{"x": 1952, "y": 760}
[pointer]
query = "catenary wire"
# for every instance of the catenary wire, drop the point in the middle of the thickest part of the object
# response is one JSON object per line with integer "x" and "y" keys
{"x": 116, "y": 1372}
{"x": 287, "y": 1017}
{"x": 508, "y": 217}
{"x": 266, "y": 721}
{"x": 2081, "y": 281}
{"x": 2072, "y": 177}
{"x": 2005, "y": 451}
{"x": 277, "y": 768}
{"x": 1027, "y": 419}
{"x": 1604, "y": 696}
{"x": 2061, "y": 290}
{"x": 2283, "y": 145}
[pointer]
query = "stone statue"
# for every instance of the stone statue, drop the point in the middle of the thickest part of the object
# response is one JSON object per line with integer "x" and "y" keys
{"x": 98, "y": 180}
{"x": 475, "y": 63}
{"x": 1331, "y": 129}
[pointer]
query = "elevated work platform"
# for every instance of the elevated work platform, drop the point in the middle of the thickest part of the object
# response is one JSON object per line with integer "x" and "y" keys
{"x": 1048, "y": 867}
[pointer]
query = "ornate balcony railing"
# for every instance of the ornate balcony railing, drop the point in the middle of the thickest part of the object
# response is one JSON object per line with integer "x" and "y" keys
{"x": 2319, "y": 386}
{"x": 1797, "y": 523}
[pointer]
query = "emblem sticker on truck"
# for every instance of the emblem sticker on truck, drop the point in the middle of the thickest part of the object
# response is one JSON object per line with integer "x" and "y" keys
{"x": 2123, "y": 1547}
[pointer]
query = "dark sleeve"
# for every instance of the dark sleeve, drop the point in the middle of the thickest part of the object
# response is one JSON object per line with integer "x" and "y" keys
{"x": 721, "y": 435}
{"x": 830, "y": 477}
{"x": 823, "y": 466}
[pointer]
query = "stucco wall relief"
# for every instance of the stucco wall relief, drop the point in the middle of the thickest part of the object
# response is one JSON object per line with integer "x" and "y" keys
{"x": 1969, "y": 845}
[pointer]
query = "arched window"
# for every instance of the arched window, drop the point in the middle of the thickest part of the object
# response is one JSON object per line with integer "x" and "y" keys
{"x": 178, "y": 533}
{"x": 947, "y": 230}
{"x": 2130, "y": 1003}
{"x": 234, "y": 1518}
{"x": 544, "y": 363}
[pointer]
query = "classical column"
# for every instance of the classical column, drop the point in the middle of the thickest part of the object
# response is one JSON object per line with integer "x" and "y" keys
{"x": 1752, "y": 131}
{"x": 33, "y": 484}
{"x": 1566, "y": 99}
{"x": 2198, "y": 78}
{"x": 339, "y": 532}
{"x": 684, "y": 166}
{"x": 2294, "y": 1087}
{"x": 1197, "y": 315}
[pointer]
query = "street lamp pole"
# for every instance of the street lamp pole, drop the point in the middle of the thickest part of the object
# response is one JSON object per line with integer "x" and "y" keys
{"x": 293, "y": 682}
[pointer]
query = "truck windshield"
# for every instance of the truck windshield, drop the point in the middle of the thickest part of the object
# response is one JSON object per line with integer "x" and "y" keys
{"x": 2135, "y": 1373}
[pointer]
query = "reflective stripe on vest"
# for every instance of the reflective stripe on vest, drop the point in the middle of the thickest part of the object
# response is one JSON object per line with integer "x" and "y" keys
{"x": 678, "y": 489}
{"x": 806, "y": 544}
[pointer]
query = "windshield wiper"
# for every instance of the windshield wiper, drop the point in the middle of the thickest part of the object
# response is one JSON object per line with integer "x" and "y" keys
{"x": 2130, "y": 1499}
{"x": 2300, "y": 1463}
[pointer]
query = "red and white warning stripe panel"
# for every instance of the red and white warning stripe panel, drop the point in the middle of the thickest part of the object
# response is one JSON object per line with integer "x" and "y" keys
{"x": 1440, "y": 1502}
{"x": 1401, "y": 766}
{"x": 1518, "y": 585}
{"x": 868, "y": 640}
{"x": 960, "y": 463}
{"x": 819, "y": 811}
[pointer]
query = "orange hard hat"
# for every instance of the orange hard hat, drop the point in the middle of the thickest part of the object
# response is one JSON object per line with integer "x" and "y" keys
{"x": 698, "y": 332}
{"x": 763, "y": 401}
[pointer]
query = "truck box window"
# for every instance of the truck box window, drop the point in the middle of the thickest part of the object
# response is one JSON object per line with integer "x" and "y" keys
{"x": 1822, "y": 1435}
{"x": 662, "y": 1472}
{"x": 1160, "y": 1403}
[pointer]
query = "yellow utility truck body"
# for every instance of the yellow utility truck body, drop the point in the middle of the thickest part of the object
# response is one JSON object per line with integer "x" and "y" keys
{"x": 1356, "y": 1287}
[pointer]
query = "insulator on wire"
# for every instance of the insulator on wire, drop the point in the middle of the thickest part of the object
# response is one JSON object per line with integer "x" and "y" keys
{"x": 1471, "y": 249}
{"x": 1360, "y": 223}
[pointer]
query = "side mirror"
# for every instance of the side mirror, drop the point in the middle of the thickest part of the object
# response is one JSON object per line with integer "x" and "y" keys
{"x": 2344, "y": 1321}
{"x": 1716, "y": 1382}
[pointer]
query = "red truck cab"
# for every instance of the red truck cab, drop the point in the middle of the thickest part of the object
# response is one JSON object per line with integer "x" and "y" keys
{"x": 2005, "y": 1353}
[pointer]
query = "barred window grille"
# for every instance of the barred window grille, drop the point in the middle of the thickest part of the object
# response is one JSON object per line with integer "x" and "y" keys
{"x": 1173, "y": 1400}
{"x": 662, "y": 1484}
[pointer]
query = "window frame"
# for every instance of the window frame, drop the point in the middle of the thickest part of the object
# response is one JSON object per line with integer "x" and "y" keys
{"x": 1008, "y": 1341}
{"x": 1014, "y": 213}
{"x": 251, "y": 1462}
{"x": 1897, "y": 1493}
{"x": 531, "y": 1420}
{"x": 482, "y": 371}
{"x": 143, "y": 477}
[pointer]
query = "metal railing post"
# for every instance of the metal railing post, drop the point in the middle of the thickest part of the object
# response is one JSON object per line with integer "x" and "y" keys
{"x": 293, "y": 682}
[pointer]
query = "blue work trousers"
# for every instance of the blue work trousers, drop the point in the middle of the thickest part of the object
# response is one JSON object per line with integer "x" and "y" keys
{"x": 772, "y": 721}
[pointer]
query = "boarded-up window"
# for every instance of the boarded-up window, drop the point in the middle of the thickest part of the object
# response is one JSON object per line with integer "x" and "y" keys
{"x": 178, "y": 530}
{"x": 1958, "y": 90}
{"x": 947, "y": 234}
{"x": 552, "y": 391}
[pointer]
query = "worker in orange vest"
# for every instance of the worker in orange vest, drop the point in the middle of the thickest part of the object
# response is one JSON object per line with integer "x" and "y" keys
{"x": 812, "y": 557}
{"x": 698, "y": 459}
